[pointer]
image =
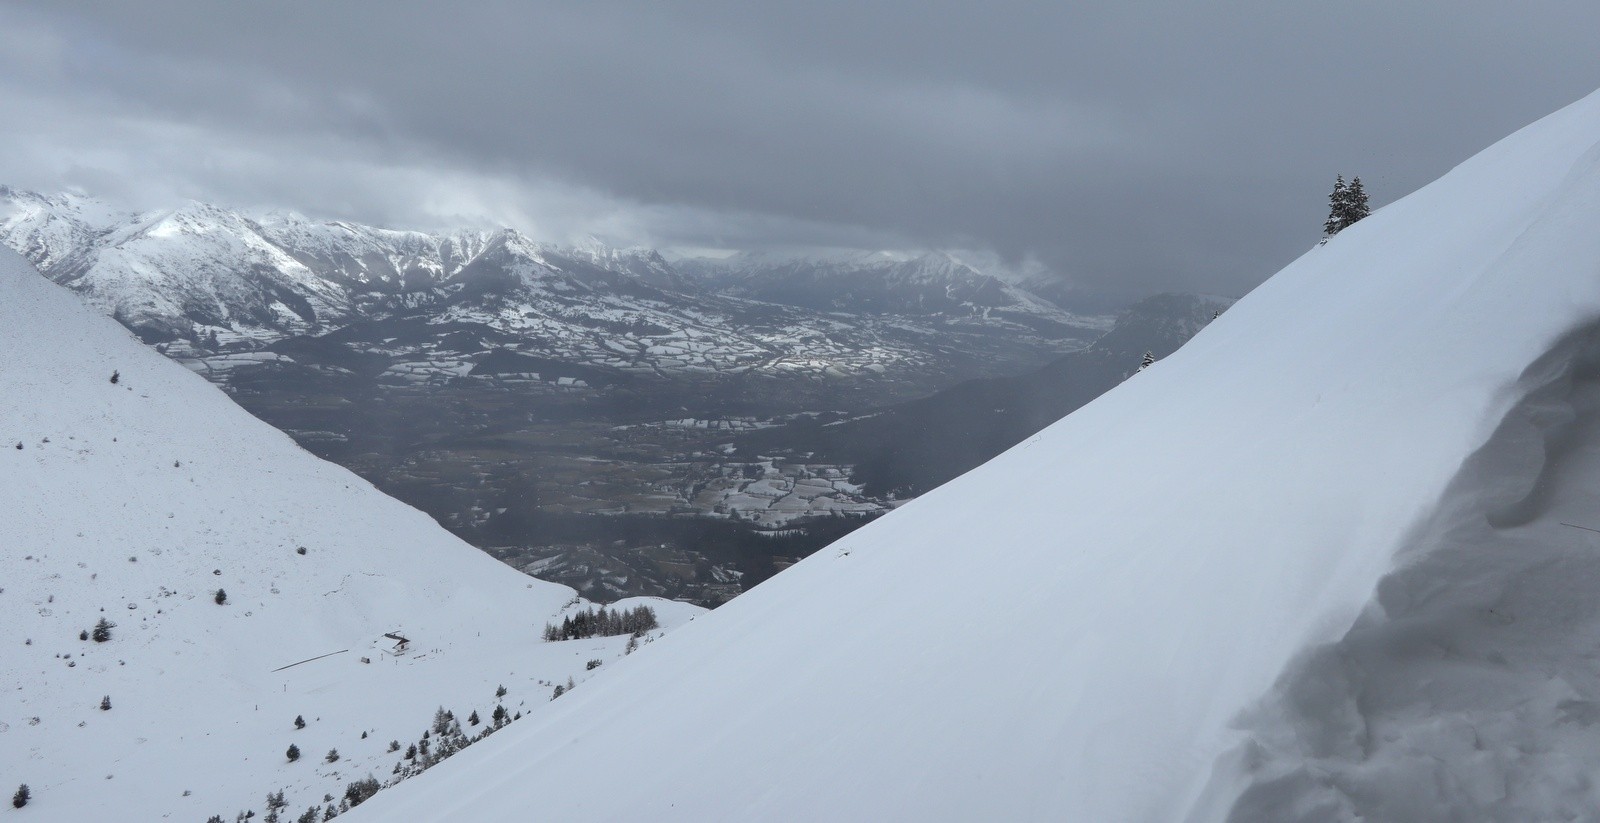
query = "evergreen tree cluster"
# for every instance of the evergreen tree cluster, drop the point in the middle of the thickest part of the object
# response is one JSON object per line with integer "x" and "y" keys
{"x": 1347, "y": 205}
{"x": 357, "y": 792}
{"x": 602, "y": 623}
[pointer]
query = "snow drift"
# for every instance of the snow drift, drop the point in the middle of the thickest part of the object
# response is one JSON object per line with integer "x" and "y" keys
{"x": 137, "y": 499}
{"x": 1311, "y": 567}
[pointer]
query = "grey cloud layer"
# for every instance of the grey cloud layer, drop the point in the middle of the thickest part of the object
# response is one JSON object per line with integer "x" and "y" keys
{"x": 1139, "y": 145}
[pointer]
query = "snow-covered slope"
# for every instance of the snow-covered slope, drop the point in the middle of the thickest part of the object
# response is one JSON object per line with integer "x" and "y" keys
{"x": 136, "y": 501}
{"x": 1311, "y": 567}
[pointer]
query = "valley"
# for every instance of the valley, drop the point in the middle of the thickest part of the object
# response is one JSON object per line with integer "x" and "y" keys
{"x": 603, "y": 418}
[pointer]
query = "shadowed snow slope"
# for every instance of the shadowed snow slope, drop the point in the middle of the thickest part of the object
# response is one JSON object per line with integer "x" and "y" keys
{"x": 1227, "y": 588}
{"x": 135, "y": 501}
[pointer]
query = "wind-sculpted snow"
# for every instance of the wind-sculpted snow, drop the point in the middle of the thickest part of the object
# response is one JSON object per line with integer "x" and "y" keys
{"x": 1469, "y": 689}
{"x": 1310, "y": 567}
{"x": 136, "y": 493}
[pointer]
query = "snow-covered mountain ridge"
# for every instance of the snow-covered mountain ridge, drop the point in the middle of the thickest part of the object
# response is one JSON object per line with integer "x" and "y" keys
{"x": 136, "y": 493}
{"x": 1320, "y": 564}
{"x": 199, "y": 271}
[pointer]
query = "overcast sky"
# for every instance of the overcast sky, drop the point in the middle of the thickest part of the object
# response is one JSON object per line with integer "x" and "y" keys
{"x": 1133, "y": 146}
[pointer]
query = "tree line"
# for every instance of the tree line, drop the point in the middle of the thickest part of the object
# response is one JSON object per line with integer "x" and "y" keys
{"x": 602, "y": 623}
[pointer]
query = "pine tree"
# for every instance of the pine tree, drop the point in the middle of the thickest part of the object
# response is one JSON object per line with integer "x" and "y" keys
{"x": 472, "y": 719}
{"x": 102, "y": 630}
{"x": 299, "y": 722}
{"x": 357, "y": 793}
{"x": 293, "y": 753}
{"x": 1336, "y": 207}
{"x": 500, "y": 692}
{"x": 1347, "y": 205}
{"x": 20, "y": 799}
{"x": 221, "y": 597}
{"x": 1358, "y": 207}
{"x": 332, "y": 756}
{"x": 1147, "y": 361}
{"x": 105, "y": 703}
{"x": 116, "y": 376}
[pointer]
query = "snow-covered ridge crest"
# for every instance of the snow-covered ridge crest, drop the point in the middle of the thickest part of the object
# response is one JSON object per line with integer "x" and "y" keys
{"x": 172, "y": 273}
{"x": 247, "y": 583}
{"x": 1340, "y": 459}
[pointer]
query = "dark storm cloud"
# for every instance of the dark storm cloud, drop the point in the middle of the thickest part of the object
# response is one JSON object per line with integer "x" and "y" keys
{"x": 1135, "y": 145}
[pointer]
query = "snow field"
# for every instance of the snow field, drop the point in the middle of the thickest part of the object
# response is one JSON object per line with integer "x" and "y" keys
{"x": 137, "y": 500}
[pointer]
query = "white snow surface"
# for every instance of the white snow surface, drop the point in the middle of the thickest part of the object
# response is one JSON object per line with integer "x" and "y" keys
{"x": 1310, "y": 567}
{"x": 136, "y": 501}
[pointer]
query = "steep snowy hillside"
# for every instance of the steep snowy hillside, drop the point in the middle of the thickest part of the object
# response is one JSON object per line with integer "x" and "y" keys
{"x": 1314, "y": 566}
{"x": 137, "y": 494}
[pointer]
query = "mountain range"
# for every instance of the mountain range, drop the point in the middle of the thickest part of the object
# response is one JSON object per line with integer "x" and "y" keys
{"x": 200, "y": 273}
{"x": 572, "y": 409}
